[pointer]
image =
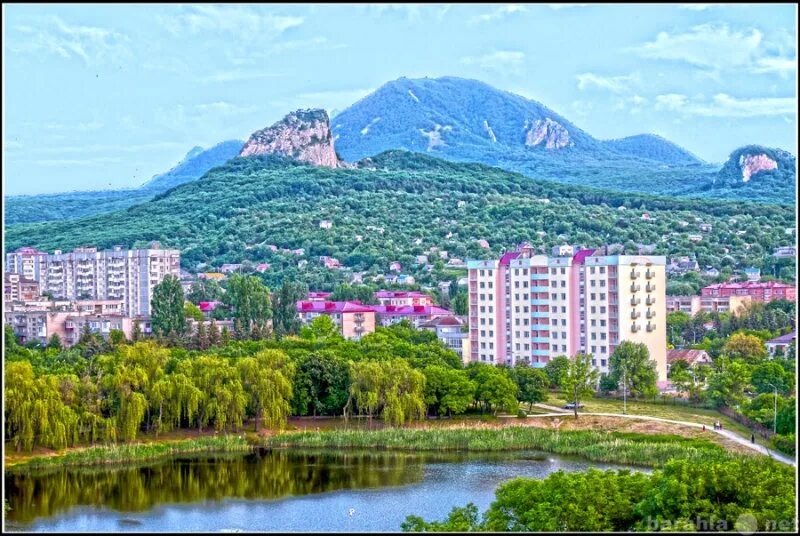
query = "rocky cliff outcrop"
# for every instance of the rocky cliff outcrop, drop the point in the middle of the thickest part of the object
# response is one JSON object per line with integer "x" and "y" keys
{"x": 548, "y": 132}
{"x": 753, "y": 163}
{"x": 304, "y": 135}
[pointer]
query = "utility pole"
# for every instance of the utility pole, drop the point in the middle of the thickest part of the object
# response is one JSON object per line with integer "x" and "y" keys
{"x": 774, "y": 409}
{"x": 624, "y": 391}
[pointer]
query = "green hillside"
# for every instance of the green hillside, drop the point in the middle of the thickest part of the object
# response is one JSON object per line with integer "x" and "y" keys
{"x": 235, "y": 211}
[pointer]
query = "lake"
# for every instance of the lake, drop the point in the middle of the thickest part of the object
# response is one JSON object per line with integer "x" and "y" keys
{"x": 269, "y": 490}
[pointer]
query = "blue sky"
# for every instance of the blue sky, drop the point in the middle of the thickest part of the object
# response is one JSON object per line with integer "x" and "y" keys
{"x": 108, "y": 96}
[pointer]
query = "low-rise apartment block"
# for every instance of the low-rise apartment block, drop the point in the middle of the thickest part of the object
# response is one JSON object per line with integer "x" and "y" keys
{"x": 354, "y": 319}
{"x": 17, "y": 287}
{"x": 710, "y": 304}
{"x": 761, "y": 291}
{"x": 89, "y": 274}
{"x": 532, "y": 308}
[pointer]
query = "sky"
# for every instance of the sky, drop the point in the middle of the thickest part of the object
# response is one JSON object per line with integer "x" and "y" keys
{"x": 106, "y": 96}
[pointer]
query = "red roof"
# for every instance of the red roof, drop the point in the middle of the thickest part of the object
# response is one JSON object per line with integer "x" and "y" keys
{"x": 749, "y": 285}
{"x": 411, "y": 310}
{"x": 442, "y": 321}
{"x": 507, "y": 257}
{"x": 400, "y": 294}
{"x": 332, "y": 307}
{"x": 579, "y": 257}
{"x": 206, "y": 306}
{"x": 318, "y": 294}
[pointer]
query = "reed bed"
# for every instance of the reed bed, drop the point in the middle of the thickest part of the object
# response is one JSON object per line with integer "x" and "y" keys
{"x": 608, "y": 447}
{"x": 137, "y": 452}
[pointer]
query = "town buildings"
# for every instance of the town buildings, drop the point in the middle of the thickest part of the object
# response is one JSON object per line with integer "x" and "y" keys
{"x": 450, "y": 330}
{"x": 710, "y": 304}
{"x": 89, "y": 274}
{"x": 532, "y": 308}
{"x": 17, "y": 287}
{"x": 765, "y": 291}
{"x": 781, "y": 343}
{"x": 396, "y": 297}
{"x": 353, "y": 319}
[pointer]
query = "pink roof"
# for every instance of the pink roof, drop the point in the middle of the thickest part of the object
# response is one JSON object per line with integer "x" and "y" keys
{"x": 508, "y": 257}
{"x": 579, "y": 257}
{"x": 749, "y": 284}
{"x": 332, "y": 307}
{"x": 318, "y": 294}
{"x": 400, "y": 294}
{"x": 410, "y": 310}
{"x": 206, "y": 306}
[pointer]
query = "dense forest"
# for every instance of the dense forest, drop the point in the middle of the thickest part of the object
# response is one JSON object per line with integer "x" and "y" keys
{"x": 398, "y": 205}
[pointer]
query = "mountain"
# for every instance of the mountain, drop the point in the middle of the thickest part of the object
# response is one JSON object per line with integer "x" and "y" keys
{"x": 469, "y": 121}
{"x": 194, "y": 165}
{"x": 396, "y": 205}
{"x": 70, "y": 205}
{"x": 304, "y": 135}
{"x": 655, "y": 148}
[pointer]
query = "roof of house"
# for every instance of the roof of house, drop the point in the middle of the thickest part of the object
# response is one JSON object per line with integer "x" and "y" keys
{"x": 206, "y": 306}
{"x": 749, "y": 285}
{"x": 449, "y": 320}
{"x": 509, "y": 256}
{"x": 783, "y": 339}
{"x": 579, "y": 257}
{"x": 411, "y": 310}
{"x": 690, "y": 356}
{"x": 400, "y": 294}
{"x": 332, "y": 307}
{"x": 318, "y": 294}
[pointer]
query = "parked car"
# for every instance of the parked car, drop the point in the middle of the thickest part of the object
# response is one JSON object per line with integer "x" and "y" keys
{"x": 571, "y": 405}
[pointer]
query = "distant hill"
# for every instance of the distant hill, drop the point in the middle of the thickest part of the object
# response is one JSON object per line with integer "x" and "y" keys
{"x": 194, "y": 165}
{"x": 71, "y": 205}
{"x": 653, "y": 147}
{"x": 470, "y": 121}
{"x": 395, "y": 206}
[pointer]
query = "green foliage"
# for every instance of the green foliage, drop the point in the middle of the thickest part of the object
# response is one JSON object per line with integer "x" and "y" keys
{"x": 257, "y": 201}
{"x": 167, "y": 312}
{"x": 204, "y": 290}
{"x": 631, "y": 367}
{"x": 532, "y": 384}
{"x": 361, "y": 293}
{"x": 579, "y": 379}
{"x": 192, "y": 311}
{"x": 447, "y": 391}
{"x": 284, "y": 312}
{"x": 495, "y": 390}
{"x": 249, "y": 299}
{"x": 684, "y": 495}
{"x": 555, "y": 369}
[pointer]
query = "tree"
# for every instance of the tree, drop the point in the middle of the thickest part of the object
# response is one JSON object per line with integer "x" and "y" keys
{"x": 447, "y": 390}
{"x": 136, "y": 334}
{"x": 249, "y": 300}
{"x": 213, "y": 334}
{"x": 495, "y": 389}
{"x": 361, "y": 293}
{"x": 748, "y": 348}
{"x": 532, "y": 384}
{"x": 192, "y": 311}
{"x": 285, "y": 320}
{"x": 116, "y": 337}
{"x": 320, "y": 330}
{"x": 204, "y": 290}
{"x": 579, "y": 379}
{"x": 728, "y": 381}
{"x": 267, "y": 380}
{"x": 630, "y": 363}
{"x": 201, "y": 337}
{"x": 555, "y": 369}
{"x": 55, "y": 342}
{"x": 770, "y": 373}
{"x": 167, "y": 313}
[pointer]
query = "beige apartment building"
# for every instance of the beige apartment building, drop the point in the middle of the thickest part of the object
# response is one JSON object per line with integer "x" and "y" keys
{"x": 89, "y": 274}
{"x": 709, "y": 304}
{"x": 532, "y": 308}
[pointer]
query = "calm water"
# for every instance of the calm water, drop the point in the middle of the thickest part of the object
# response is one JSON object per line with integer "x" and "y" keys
{"x": 268, "y": 491}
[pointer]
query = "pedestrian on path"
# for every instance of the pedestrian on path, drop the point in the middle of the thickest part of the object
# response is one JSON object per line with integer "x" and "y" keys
{"x": 704, "y": 427}
{"x": 752, "y": 438}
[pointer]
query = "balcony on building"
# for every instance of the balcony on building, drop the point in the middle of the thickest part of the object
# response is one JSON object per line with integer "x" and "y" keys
{"x": 650, "y": 300}
{"x": 634, "y": 274}
{"x": 635, "y": 328}
{"x": 649, "y": 274}
{"x": 635, "y": 315}
{"x": 635, "y": 288}
{"x": 651, "y": 287}
{"x": 651, "y": 327}
{"x": 651, "y": 314}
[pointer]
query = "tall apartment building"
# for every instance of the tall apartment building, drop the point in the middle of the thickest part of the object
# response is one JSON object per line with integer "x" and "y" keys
{"x": 532, "y": 308}
{"x": 88, "y": 274}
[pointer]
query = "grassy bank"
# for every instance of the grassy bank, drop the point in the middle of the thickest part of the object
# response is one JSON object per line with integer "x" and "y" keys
{"x": 137, "y": 452}
{"x": 609, "y": 447}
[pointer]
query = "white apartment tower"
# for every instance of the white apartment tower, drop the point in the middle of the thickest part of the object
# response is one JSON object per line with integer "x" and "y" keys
{"x": 532, "y": 308}
{"x": 88, "y": 274}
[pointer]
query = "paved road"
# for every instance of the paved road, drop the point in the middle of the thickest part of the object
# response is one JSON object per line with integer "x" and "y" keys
{"x": 726, "y": 433}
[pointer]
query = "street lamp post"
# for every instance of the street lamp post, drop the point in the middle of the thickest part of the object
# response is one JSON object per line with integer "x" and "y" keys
{"x": 775, "y": 410}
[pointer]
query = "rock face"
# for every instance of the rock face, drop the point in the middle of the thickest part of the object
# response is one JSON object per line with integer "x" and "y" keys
{"x": 753, "y": 163}
{"x": 547, "y": 131}
{"x": 304, "y": 135}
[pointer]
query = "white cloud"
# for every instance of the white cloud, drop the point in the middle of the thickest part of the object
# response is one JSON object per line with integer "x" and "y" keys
{"x": 499, "y": 13}
{"x": 499, "y": 60}
{"x": 707, "y": 45}
{"x": 241, "y": 21}
{"x": 615, "y": 84}
{"x": 723, "y": 105}
{"x": 716, "y": 47}
{"x": 91, "y": 44}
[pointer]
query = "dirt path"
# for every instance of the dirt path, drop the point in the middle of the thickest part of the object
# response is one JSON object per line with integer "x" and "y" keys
{"x": 725, "y": 433}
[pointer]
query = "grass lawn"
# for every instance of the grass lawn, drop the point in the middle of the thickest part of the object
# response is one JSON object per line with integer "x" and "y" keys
{"x": 678, "y": 412}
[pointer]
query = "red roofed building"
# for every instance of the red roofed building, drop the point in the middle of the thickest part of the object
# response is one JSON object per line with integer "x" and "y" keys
{"x": 392, "y": 297}
{"x": 354, "y": 319}
{"x": 318, "y": 296}
{"x": 760, "y": 291}
{"x": 416, "y": 314}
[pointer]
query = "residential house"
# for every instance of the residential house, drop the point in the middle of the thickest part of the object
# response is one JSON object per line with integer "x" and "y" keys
{"x": 694, "y": 237}
{"x": 753, "y": 274}
{"x": 325, "y": 224}
{"x": 781, "y": 344}
{"x": 785, "y": 252}
{"x": 449, "y": 330}
{"x": 758, "y": 291}
{"x": 330, "y": 262}
{"x": 421, "y": 259}
{"x": 483, "y": 243}
{"x": 395, "y": 266}
{"x": 230, "y": 268}
{"x": 353, "y": 319}
{"x": 692, "y": 357}
{"x": 705, "y": 227}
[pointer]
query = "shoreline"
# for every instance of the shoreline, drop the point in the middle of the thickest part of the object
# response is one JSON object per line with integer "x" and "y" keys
{"x": 641, "y": 449}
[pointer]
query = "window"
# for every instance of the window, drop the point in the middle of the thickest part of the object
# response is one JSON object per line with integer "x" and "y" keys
{"x": 593, "y": 309}
{"x": 594, "y": 322}
{"x": 602, "y": 269}
{"x": 553, "y": 296}
{"x": 563, "y": 296}
{"x": 563, "y": 321}
{"x": 603, "y": 362}
{"x": 563, "y": 308}
{"x": 602, "y": 349}
{"x": 563, "y": 271}
{"x": 602, "y": 295}
{"x": 603, "y": 309}
{"x": 563, "y": 347}
{"x": 593, "y": 296}
{"x": 554, "y": 284}
{"x": 553, "y": 271}
{"x": 563, "y": 334}
{"x": 603, "y": 337}
{"x": 594, "y": 351}
{"x": 594, "y": 336}
{"x": 554, "y": 322}
{"x": 592, "y": 282}
{"x": 591, "y": 270}
{"x": 603, "y": 323}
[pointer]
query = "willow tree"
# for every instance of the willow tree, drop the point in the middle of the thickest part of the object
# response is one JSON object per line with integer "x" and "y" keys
{"x": 267, "y": 380}
{"x": 223, "y": 401}
{"x": 20, "y": 394}
{"x": 167, "y": 312}
{"x": 366, "y": 378}
{"x": 402, "y": 393}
